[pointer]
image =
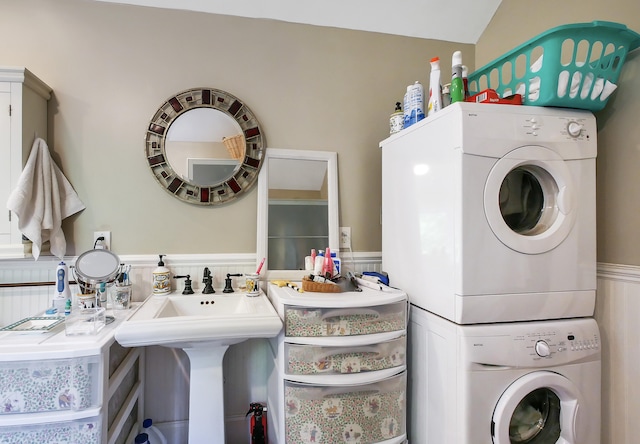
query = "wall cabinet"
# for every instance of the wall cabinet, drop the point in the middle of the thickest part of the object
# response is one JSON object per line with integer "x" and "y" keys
{"x": 23, "y": 115}
{"x": 339, "y": 371}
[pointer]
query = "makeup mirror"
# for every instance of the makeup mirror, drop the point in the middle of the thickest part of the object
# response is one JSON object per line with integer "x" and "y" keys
{"x": 297, "y": 209}
{"x": 204, "y": 146}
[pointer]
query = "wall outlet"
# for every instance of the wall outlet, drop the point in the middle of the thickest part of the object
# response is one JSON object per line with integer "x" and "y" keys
{"x": 106, "y": 243}
{"x": 345, "y": 237}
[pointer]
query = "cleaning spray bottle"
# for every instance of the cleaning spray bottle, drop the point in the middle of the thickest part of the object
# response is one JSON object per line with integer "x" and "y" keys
{"x": 62, "y": 293}
{"x": 435, "y": 88}
{"x": 161, "y": 278}
{"x": 457, "y": 86}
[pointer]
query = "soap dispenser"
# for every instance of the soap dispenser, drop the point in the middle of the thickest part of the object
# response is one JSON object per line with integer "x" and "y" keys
{"x": 161, "y": 278}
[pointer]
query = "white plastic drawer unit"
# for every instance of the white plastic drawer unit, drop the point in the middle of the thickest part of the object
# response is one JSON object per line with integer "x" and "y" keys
{"x": 81, "y": 431}
{"x": 350, "y": 321}
{"x": 49, "y": 385}
{"x": 310, "y": 360}
{"x": 361, "y": 414}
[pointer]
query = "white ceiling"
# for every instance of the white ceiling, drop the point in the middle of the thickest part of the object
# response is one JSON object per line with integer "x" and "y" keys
{"x": 460, "y": 21}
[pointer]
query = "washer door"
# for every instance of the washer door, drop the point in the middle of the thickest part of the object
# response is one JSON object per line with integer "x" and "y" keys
{"x": 538, "y": 408}
{"x": 529, "y": 200}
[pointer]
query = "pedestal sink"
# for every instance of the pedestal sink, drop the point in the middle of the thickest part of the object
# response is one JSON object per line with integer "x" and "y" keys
{"x": 204, "y": 326}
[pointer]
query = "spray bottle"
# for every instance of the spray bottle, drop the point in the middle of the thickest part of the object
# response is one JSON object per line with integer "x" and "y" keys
{"x": 435, "y": 89}
{"x": 457, "y": 86}
{"x": 62, "y": 293}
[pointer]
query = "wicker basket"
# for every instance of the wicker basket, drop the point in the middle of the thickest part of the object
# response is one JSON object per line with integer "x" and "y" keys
{"x": 235, "y": 145}
{"x": 578, "y": 60}
{"x": 310, "y": 285}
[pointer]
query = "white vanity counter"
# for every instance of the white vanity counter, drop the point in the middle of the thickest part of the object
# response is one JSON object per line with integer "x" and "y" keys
{"x": 82, "y": 388}
{"x": 56, "y": 344}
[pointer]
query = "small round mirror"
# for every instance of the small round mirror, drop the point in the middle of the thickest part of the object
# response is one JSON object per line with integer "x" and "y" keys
{"x": 205, "y": 146}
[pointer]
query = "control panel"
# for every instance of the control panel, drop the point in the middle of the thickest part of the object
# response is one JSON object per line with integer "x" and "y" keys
{"x": 533, "y": 345}
{"x": 557, "y": 127}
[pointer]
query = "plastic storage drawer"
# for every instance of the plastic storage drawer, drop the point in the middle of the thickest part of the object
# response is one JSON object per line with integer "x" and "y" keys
{"x": 85, "y": 431}
{"x": 310, "y": 360}
{"x": 314, "y": 322}
{"x": 361, "y": 414}
{"x": 50, "y": 385}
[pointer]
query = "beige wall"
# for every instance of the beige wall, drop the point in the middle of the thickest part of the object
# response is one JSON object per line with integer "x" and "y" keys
{"x": 618, "y": 163}
{"x": 111, "y": 66}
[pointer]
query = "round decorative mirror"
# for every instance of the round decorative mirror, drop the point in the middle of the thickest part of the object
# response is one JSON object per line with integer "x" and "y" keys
{"x": 205, "y": 146}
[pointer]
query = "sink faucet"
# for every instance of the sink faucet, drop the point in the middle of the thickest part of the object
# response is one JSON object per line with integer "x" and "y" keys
{"x": 207, "y": 280}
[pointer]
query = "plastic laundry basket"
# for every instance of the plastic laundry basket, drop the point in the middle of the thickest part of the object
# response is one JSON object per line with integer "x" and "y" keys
{"x": 571, "y": 66}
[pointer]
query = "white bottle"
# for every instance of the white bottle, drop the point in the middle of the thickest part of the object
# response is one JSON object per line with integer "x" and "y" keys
{"x": 435, "y": 88}
{"x": 415, "y": 102}
{"x": 155, "y": 435}
{"x": 62, "y": 293}
{"x": 161, "y": 278}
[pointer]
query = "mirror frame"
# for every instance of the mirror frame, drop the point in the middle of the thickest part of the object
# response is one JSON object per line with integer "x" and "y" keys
{"x": 263, "y": 206}
{"x": 243, "y": 178}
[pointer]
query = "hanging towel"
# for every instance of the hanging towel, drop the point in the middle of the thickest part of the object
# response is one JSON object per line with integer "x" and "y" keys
{"x": 42, "y": 198}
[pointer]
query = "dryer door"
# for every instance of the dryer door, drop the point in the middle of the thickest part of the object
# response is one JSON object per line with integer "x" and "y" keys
{"x": 529, "y": 200}
{"x": 539, "y": 408}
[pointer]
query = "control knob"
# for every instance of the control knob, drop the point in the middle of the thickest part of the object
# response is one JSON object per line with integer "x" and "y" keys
{"x": 542, "y": 349}
{"x": 574, "y": 128}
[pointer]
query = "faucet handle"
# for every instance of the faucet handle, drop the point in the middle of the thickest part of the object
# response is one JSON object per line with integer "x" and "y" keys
{"x": 187, "y": 283}
{"x": 227, "y": 282}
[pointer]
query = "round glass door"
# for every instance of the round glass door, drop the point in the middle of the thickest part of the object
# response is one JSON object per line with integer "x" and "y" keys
{"x": 528, "y": 200}
{"x": 536, "y": 419}
{"x": 538, "y": 408}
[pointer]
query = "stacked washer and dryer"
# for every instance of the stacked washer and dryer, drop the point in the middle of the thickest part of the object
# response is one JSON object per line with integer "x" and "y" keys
{"x": 488, "y": 224}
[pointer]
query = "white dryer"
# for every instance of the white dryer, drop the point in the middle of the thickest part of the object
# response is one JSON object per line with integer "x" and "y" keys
{"x": 488, "y": 213}
{"x": 509, "y": 383}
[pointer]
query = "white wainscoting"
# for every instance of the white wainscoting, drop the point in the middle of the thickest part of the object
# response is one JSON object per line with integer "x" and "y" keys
{"x": 618, "y": 315}
{"x": 245, "y": 365}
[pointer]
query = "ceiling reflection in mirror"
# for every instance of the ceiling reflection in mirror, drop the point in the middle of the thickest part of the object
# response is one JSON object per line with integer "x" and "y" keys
{"x": 204, "y": 146}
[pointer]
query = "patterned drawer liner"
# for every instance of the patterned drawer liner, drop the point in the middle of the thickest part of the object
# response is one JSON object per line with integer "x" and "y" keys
{"x": 312, "y": 322}
{"x": 332, "y": 415}
{"x": 85, "y": 431}
{"x": 50, "y": 385}
{"x": 309, "y": 359}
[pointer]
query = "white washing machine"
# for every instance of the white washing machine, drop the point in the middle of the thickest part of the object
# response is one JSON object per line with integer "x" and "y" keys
{"x": 509, "y": 383}
{"x": 488, "y": 213}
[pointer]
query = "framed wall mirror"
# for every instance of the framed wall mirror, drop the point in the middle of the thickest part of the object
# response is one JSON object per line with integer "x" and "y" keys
{"x": 297, "y": 209}
{"x": 205, "y": 146}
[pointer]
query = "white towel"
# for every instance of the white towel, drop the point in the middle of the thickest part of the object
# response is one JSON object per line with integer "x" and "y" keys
{"x": 42, "y": 198}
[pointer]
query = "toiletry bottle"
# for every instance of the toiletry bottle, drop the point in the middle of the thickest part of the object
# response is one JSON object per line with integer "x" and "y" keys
{"x": 62, "y": 288}
{"x": 446, "y": 97}
{"x": 161, "y": 278}
{"x": 406, "y": 113}
{"x": 396, "y": 120}
{"x": 465, "y": 81}
{"x": 435, "y": 89}
{"x": 457, "y": 86}
{"x": 327, "y": 265}
{"x": 415, "y": 102}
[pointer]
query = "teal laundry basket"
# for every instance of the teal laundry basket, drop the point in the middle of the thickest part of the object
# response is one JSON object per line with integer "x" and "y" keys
{"x": 571, "y": 66}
